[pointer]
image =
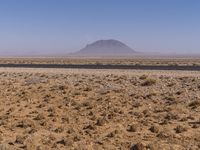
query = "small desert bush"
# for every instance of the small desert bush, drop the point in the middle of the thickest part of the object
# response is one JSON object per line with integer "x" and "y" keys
{"x": 154, "y": 129}
{"x": 150, "y": 95}
{"x": 194, "y": 104}
{"x": 149, "y": 82}
{"x": 180, "y": 129}
{"x": 98, "y": 63}
{"x": 170, "y": 98}
{"x": 173, "y": 64}
{"x": 143, "y": 77}
{"x": 137, "y": 64}
{"x": 195, "y": 64}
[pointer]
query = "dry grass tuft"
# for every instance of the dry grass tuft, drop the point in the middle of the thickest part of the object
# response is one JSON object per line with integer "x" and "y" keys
{"x": 149, "y": 82}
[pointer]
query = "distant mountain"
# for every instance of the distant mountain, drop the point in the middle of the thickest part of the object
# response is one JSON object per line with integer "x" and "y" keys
{"x": 106, "y": 48}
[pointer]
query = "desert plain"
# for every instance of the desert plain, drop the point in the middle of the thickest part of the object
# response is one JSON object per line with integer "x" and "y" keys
{"x": 83, "y": 109}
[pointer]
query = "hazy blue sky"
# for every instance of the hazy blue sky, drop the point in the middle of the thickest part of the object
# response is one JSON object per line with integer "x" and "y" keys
{"x": 28, "y": 26}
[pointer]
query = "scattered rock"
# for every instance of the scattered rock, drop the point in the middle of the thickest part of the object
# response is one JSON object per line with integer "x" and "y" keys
{"x": 62, "y": 142}
{"x": 154, "y": 129}
{"x": 138, "y": 146}
{"x": 132, "y": 128}
{"x": 101, "y": 121}
{"x": 20, "y": 139}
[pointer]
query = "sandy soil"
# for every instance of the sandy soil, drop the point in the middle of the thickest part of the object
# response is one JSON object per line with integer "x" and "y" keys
{"x": 44, "y": 109}
{"x": 166, "y": 61}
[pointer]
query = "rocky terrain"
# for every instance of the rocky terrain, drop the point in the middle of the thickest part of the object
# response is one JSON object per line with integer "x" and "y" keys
{"x": 99, "y": 109}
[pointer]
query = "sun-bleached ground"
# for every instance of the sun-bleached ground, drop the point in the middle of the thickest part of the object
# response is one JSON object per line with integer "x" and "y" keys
{"x": 136, "y": 60}
{"x": 99, "y": 109}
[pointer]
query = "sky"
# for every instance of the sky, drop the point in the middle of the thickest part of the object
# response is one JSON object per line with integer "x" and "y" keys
{"x": 62, "y": 26}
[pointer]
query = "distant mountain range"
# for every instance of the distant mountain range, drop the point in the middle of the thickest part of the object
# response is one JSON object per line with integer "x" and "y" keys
{"x": 106, "y": 48}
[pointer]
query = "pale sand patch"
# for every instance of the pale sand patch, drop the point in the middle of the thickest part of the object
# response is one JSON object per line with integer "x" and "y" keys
{"x": 102, "y": 71}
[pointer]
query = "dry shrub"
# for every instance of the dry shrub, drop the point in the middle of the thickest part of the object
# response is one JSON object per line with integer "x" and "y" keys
{"x": 138, "y": 146}
{"x": 143, "y": 77}
{"x": 20, "y": 139}
{"x": 194, "y": 104}
{"x": 149, "y": 82}
{"x": 170, "y": 98}
{"x": 154, "y": 129}
{"x": 180, "y": 129}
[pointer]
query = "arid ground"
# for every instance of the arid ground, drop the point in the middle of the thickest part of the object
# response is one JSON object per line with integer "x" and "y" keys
{"x": 137, "y": 60}
{"x": 43, "y": 109}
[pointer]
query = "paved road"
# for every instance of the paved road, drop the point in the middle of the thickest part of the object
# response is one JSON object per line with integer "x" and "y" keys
{"x": 93, "y": 66}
